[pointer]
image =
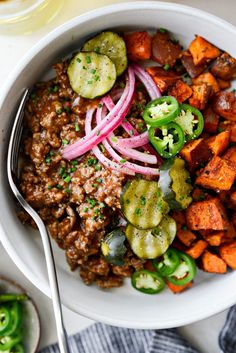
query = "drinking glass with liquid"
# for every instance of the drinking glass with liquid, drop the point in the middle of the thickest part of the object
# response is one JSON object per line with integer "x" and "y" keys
{"x": 26, "y": 16}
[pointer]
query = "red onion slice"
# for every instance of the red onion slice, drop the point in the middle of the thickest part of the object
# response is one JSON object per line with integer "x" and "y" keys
{"x": 148, "y": 82}
{"x": 96, "y": 151}
{"x": 107, "y": 125}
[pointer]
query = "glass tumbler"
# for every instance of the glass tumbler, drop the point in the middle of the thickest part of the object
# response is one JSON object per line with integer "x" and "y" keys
{"x": 26, "y": 16}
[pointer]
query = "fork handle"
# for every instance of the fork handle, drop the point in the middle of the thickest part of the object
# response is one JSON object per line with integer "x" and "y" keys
{"x": 52, "y": 276}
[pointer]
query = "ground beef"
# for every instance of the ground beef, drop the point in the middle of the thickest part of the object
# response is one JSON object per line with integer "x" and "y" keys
{"x": 77, "y": 200}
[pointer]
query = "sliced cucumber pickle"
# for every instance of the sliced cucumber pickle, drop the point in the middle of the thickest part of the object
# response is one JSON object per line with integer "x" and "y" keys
{"x": 142, "y": 203}
{"x": 152, "y": 243}
{"x": 113, "y": 248}
{"x": 112, "y": 45}
{"x": 91, "y": 75}
{"x": 175, "y": 183}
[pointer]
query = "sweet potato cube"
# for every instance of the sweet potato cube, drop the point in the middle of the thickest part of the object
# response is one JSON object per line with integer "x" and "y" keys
{"x": 192, "y": 69}
{"x": 219, "y": 143}
{"x": 233, "y": 198}
{"x": 230, "y": 232}
{"x": 163, "y": 79}
{"x": 209, "y": 214}
{"x": 178, "y": 289}
{"x": 195, "y": 152}
{"x": 228, "y": 254}
{"x": 179, "y": 217}
{"x": 181, "y": 91}
{"x": 164, "y": 50}
{"x": 138, "y": 45}
{"x": 202, "y": 51}
{"x": 217, "y": 175}
{"x": 213, "y": 263}
{"x": 197, "y": 249}
{"x": 215, "y": 238}
{"x": 207, "y": 78}
{"x": 229, "y": 126}
{"x": 224, "y": 104}
{"x": 186, "y": 236}
{"x": 223, "y": 84}
{"x": 230, "y": 155}
{"x": 200, "y": 96}
{"x": 233, "y": 219}
{"x": 211, "y": 120}
{"x": 224, "y": 67}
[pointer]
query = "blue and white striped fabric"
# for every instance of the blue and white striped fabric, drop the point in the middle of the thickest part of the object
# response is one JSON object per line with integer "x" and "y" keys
{"x": 101, "y": 338}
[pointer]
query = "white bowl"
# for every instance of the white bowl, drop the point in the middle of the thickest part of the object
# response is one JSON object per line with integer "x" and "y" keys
{"x": 123, "y": 306}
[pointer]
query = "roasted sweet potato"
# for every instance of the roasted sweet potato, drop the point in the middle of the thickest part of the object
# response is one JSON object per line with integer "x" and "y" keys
{"x": 179, "y": 217}
{"x": 198, "y": 194}
{"x": 233, "y": 219}
{"x": 219, "y": 143}
{"x": 224, "y": 104}
{"x": 228, "y": 254}
{"x": 230, "y": 126}
{"x": 224, "y": 67}
{"x": 217, "y": 175}
{"x": 211, "y": 120}
{"x": 202, "y": 51}
{"x": 163, "y": 79}
{"x": 197, "y": 249}
{"x": 181, "y": 91}
{"x": 186, "y": 236}
{"x": 230, "y": 154}
{"x": 200, "y": 96}
{"x": 164, "y": 50}
{"x": 215, "y": 238}
{"x": 138, "y": 45}
{"x": 209, "y": 214}
{"x": 192, "y": 69}
{"x": 178, "y": 289}
{"x": 207, "y": 78}
{"x": 195, "y": 152}
{"x": 213, "y": 263}
{"x": 230, "y": 233}
{"x": 233, "y": 199}
{"x": 223, "y": 84}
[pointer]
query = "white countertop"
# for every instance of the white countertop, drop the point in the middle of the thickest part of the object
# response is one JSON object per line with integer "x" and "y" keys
{"x": 204, "y": 334}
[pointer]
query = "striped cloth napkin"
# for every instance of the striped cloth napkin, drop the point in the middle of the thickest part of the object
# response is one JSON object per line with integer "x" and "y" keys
{"x": 101, "y": 338}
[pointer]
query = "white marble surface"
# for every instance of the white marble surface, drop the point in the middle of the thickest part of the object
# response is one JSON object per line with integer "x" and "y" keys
{"x": 204, "y": 334}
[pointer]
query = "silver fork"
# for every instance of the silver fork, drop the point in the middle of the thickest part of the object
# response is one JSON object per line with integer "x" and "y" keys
{"x": 13, "y": 173}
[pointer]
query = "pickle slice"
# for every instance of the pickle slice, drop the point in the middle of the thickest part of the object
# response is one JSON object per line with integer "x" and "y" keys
{"x": 151, "y": 243}
{"x": 91, "y": 75}
{"x": 112, "y": 45}
{"x": 142, "y": 203}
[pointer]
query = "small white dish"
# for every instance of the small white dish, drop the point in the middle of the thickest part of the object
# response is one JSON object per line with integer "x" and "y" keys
{"x": 31, "y": 322}
{"x": 122, "y": 306}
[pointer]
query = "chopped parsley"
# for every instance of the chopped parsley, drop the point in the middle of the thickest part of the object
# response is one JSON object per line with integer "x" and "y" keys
{"x": 91, "y": 161}
{"x": 138, "y": 211}
{"x": 67, "y": 179}
{"x": 93, "y": 71}
{"x": 59, "y": 111}
{"x": 98, "y": 167}
{"x": 88, "y": 59}
{"x": 92, "y": 202}
{"x": 65, "y": 142}
{"x": 166, "y": 67}
{"x": 49, "y": 187}
{"x": 85, "y": 210}
{"x": 99, "y": 105}
{"x": 77, "y": 128}
{"x": 99, "y": 180}
{"x": 143, "y": 200}
{"x": 75, "y": 162}
{"x": 162, "y": 30}
{"x": 79, "y": 60}
{"x": 58, "y": 186}
{"x": 122, "y": 160}
{"x": 102, "y": 148}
